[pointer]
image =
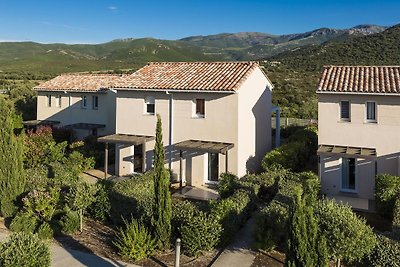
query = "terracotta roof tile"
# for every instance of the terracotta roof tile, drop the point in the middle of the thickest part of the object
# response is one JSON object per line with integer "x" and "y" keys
{"x": 209, "y": 76}
{"x": 79, "y": 82}
{"x": 360, "y": 79}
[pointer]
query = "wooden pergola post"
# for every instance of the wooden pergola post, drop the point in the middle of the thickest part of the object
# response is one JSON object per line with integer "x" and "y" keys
{"x": 226, "y": 161}
{"x": 144, "y": 156}
{"x": 180, "y": 171}
{"x": 106, "y": 161}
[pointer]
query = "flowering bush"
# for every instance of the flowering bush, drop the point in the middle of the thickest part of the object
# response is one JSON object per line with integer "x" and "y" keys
{"x": 42, "y": 203}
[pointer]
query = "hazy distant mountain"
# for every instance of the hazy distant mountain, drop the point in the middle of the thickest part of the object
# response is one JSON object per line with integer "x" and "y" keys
{"x": 132, "y": 53}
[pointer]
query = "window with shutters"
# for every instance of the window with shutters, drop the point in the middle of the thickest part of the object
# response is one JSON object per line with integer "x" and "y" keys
{"x": 345, "y": 110}
{"x": 370, "y": 110}
{"x": 200, "y": 107}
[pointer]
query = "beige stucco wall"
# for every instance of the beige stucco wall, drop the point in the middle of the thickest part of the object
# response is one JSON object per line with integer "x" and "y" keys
{"x": 241, "y": 118}
{"x": 71, "y": 112}
{"x": 382, "y": 135}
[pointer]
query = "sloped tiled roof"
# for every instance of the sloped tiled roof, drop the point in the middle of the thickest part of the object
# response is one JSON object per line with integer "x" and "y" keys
{"x": 79, "y": 82}
{"x": 360, "y": 79}
{"x": 207, "y": 76}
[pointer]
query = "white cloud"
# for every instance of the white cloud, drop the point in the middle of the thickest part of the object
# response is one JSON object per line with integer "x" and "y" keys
{"x": 113, "y": 8}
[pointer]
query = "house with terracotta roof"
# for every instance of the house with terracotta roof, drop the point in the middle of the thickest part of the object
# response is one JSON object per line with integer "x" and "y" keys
{"x": 81, "y": 102}
{"x": 216, "y": 117}
{"x": 358, "y": 124}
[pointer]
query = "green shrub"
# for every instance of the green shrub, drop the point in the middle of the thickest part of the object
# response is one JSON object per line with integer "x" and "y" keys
{"x": 24, "y": 222}
{"x": 387, "y": 188}
{"x": 101, "y": 207}
{"x": 36, "y": 178}
{"x": 310, "y": 183}
{"x": 232, "y": 213}
{"x": 227, "y": 185}
{"x": 307, "y": 136}
{"x": 271, "y": 225}
{"x": 292, "y": 156}
{"x": 133, "y": 197}
{"x": 396, "y": 218}
{"x": 45, "y": 231}
{"x": 134, "y": 242}
{"x": 42, "y": 203}
{"x": 182, "y": 213}
{"x": 348, "y": 236}
{"x": 62, "y": 174}
{"x": 201, "y": 233}
{"x": 69, "y": 222}
{"x": 24, "y": 250}
{"x": 385, "y": 253}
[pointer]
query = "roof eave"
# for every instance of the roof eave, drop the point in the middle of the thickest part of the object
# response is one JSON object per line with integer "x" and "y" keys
{"x": 356, "y": 93}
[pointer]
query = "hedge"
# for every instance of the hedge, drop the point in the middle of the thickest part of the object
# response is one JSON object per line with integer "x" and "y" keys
{"x": 385, "y": 253}
{"x": 133, "y": 197}
{"x": 292, "y": 156}
{"x": 386, "y": 191}
{"x": 396, "y": 218}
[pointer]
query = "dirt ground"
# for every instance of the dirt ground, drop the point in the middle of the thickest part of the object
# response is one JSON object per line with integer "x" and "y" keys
{"x": 269, "y": 259}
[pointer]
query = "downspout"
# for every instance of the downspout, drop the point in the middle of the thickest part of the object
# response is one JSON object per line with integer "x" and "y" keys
{"x": 170, "y": 129}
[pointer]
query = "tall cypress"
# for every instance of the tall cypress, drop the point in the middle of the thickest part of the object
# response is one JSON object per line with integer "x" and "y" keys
{"x": 162, "y": 211}
{"x": 305, "y": 247}
{"x": 12, "y": 178}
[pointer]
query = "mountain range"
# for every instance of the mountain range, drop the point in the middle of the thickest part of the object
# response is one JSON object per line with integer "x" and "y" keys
{"x": 132, "y": 53}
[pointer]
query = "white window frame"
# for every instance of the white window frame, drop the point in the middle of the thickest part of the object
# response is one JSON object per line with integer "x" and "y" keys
{"x": 194, "y": 108}
{"x": 366, "y": 112}
{"x": 48, "y": 100}
{"x": 58, "y": 101}
{"x": 84, "y": 101}
{"x": 150, "y": 100}
{"x": 95, "y": 102}
{"x": 346, "y": 190}
{"x": 340, "y": 111}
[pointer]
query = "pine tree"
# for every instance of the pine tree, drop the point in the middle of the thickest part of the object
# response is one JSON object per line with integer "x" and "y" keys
{"x": 305, "y": 247}
{"x": 162, "y": 211}
{"x": 12, "y": 178}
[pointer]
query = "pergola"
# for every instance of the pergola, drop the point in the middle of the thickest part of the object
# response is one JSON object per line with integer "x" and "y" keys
{"x": 36, "y": 123}
{"x": 346, "y": 151}
{"x": 203, "y": 146}
{"x": 128, "y": 139}
{"x": 84, "y": 126}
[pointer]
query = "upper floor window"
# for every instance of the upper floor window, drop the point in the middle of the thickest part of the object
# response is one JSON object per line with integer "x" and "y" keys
{"x": 345, "y": 110}
{"x": 58, "y": 101}
{"x": 370, "y": 108}
{"x": 48, "y": 102}
{"x": 84, "y": 102}
{"x": 150, "y": 105}
{"x": 95, "y": 102}
{"x": 200, "y": 107}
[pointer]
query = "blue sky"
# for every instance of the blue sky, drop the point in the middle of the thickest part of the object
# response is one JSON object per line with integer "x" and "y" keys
{"x": 96, "y": 21}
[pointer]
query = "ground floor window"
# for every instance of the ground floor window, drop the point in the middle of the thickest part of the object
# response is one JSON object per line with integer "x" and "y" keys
{"x": 138, "y": 159}
{"x": 348, "y": 174}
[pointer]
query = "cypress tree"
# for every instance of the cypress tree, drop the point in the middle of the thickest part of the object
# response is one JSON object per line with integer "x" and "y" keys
{"x": 12, "y": 178}
{"x": 305, "y": 247}
{"x": 162, "y": 211}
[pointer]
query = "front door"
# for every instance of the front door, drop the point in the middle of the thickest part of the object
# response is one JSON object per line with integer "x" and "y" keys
{"x": 138, "y": 159}
{"x": 213, "y": 167}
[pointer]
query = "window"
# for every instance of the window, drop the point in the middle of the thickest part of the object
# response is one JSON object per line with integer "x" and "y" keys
{"x": 200, "y": 107}
{"x": 48, "y": 100}
{"x": 84, "y": 102}
{"x": 95, "y": 102}
{"x": 58, "y": 101}
{"x": 345, "y": 110}
{"x": 348, "y": 174}
{"x": 150, "y": 105}
{"x": 370, "y": 111}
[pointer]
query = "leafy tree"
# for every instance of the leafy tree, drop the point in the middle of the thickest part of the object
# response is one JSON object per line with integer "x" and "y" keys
{"x": 162, "y": 212}
{"x": 304, "y": 246}
{"x": 80, "y": 197}
{"x": 12, "y": 178}
{"x": 348, "y": 236}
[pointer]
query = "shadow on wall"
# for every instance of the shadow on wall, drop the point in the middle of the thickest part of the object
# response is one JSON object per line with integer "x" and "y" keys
{"x": 263, "y": 134}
